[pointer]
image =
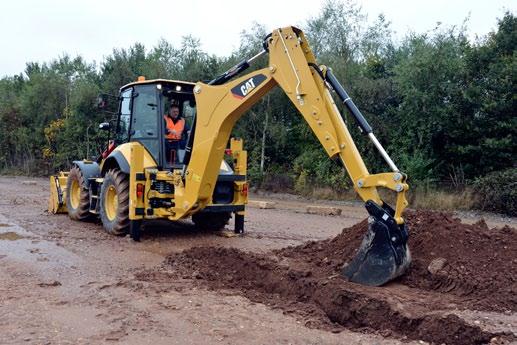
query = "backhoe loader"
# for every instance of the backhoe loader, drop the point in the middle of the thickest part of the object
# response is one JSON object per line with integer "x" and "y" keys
{"x": 134, "y": 180}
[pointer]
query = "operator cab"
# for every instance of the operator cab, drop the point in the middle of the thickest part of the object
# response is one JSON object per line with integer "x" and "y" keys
{"x": 143, "y": 105}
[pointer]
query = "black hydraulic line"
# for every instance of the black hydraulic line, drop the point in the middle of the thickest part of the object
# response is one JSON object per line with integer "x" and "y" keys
{"x": 352, "y": 108}
{"x": 190, "y": 142}
{"x": 265, "y": 42}
{"x": 237, "y": 69}
{"x": 229, "y": 74}
{"x": 317, "y": 69}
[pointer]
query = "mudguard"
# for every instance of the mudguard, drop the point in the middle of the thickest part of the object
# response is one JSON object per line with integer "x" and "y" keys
{"x": 89, "y": 169}
{"x": 116, "y": 158}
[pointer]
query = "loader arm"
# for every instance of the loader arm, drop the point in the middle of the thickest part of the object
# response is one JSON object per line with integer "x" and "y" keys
{"x": 293, "y": 67}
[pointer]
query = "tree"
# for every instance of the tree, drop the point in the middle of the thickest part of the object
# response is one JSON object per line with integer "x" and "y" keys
{"x": 488, "y": 140}
{"x": 444, "y": 107}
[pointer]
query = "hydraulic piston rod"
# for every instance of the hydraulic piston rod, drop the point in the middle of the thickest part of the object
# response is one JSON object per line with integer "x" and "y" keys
{"x": 359, "y": 118}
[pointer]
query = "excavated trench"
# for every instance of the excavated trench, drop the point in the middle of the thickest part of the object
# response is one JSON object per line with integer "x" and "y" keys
{"x": 455, "y": 267}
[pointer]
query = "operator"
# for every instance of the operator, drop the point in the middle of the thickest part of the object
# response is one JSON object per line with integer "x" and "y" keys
{"x": 174, "y": 127}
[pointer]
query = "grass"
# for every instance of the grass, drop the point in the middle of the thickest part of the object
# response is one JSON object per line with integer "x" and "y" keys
{"x": 428, "y": 198}
{"x": 443, "y": 200}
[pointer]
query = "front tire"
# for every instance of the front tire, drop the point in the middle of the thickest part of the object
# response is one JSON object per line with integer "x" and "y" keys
{"x": 114, "y": 202}
{"x": 77, "y": 197}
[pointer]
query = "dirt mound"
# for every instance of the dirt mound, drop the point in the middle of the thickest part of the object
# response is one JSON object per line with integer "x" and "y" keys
{"x": 480, "y": 263}
{"x": 329, "y": 303}
{"x": 470, "y": 261}
{"x": 455, "y": 266}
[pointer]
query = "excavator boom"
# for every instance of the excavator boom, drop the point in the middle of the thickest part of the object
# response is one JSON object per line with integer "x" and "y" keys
{"x": 383, "y": 255}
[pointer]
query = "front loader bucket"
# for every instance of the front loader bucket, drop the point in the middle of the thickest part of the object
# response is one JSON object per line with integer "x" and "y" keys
{"x": 383, "y": 254}
{"x": 56, "y": 201}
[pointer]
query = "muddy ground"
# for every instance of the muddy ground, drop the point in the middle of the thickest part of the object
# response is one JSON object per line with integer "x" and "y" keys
{"x": 65, "y": 282}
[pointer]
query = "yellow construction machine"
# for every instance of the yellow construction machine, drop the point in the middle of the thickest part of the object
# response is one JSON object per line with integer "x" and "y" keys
{"x": 134, "y": 181}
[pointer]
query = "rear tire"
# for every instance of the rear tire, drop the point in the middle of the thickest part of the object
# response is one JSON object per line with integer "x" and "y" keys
{"x": 114, "y": 202}
{"x": 77, "y": 197}
{"x": 211, "y": 221}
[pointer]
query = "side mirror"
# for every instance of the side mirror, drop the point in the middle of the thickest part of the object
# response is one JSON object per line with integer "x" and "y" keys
{"x": 102, "y": 102}
{"x": 105, "y": 126}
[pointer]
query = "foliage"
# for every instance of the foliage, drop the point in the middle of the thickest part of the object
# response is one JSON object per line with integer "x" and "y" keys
{"x": 497, "y": 191}
{"x": 444, "y": 107}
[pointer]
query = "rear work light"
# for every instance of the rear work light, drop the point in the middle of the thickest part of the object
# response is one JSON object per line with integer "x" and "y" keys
{"x": 244, "y": 190}
{"x": 139, "y": 190}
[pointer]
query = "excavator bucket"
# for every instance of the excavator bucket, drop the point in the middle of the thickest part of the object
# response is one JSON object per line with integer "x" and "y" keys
{"x": 383, "y": 254}
{"x": 56, "y": 201}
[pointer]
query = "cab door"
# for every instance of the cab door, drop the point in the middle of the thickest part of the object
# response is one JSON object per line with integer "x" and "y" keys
{"x": 145, "y": 125}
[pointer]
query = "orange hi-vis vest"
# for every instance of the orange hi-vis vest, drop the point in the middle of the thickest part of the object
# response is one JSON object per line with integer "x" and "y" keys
{"x": 177, "y": 127}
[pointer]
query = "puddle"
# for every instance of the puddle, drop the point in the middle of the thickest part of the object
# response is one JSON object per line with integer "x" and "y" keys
{"x": 10, "y": 236}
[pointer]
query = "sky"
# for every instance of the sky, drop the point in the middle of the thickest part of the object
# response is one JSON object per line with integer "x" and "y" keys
{"x": 42, "y": 30}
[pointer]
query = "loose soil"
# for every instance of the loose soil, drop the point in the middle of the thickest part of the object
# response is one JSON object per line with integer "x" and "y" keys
{"x": 69, "y": 282}
{"x": 455, "y": 267}
{"x": 479, "y": 264}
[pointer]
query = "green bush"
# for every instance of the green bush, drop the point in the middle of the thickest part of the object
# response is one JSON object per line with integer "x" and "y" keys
{"x": 497, "y": 191}
{"x": 313, "y": 169}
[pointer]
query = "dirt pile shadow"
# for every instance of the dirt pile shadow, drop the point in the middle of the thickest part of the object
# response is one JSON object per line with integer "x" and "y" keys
{"x": 455, "y": 266}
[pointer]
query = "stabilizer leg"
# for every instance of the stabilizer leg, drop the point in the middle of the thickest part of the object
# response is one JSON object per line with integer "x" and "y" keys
{"x": 135, "y": 229}
{"x": 239, "y": 223}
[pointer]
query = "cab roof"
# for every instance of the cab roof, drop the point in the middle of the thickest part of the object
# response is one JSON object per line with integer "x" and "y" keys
{"x": 157, "y": 81}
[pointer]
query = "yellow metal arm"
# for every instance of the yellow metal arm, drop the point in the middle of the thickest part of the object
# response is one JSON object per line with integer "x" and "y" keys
{"x": 219, "y": 107}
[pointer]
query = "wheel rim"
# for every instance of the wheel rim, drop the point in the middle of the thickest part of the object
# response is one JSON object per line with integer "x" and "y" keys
{"x": 111, "y": 203}
{"x": 75, "y": 194}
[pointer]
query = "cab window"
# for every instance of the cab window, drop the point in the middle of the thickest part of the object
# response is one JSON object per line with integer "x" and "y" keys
{"x": 144, "y": 123}
{"x": 125, "y": 115}
{"x": 188, "y": 112}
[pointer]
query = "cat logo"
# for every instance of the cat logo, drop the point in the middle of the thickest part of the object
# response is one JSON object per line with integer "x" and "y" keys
{"x": 243, "y": 89}
{"x": 246, "y": 88}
